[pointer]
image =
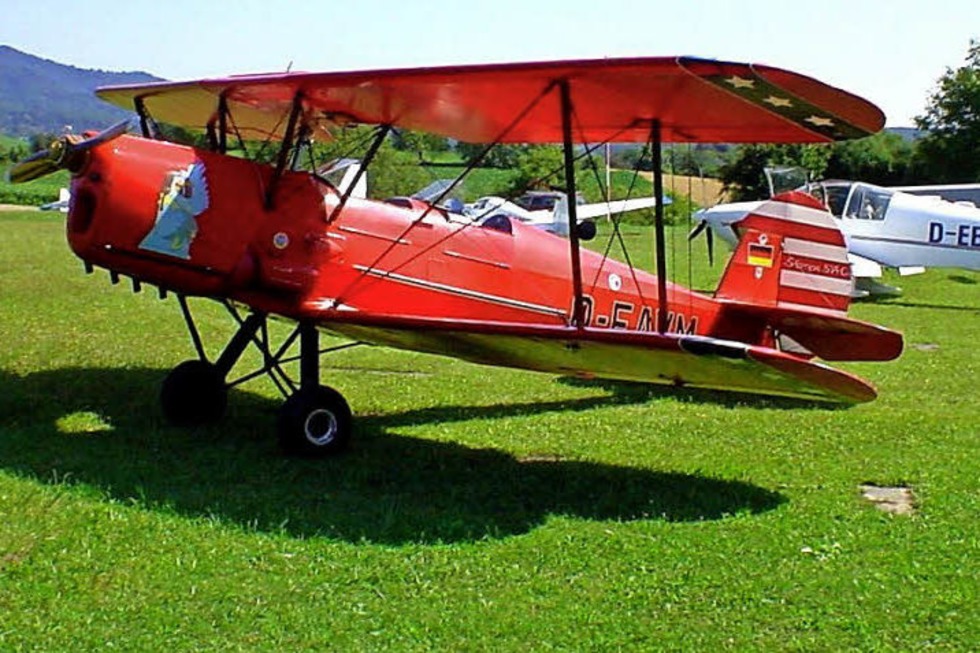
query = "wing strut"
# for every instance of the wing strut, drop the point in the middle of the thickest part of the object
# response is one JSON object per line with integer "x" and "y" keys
{"x": 287, "y": 145}
{"x": 658, "y": 191}
{"x": 148, "y": 127}
{"x": 223, "y": 123}
{"x": 578, "y": 306}
{"x": 368, "y": 158}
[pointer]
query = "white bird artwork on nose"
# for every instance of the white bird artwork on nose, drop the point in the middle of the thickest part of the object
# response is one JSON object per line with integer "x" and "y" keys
{"x": 183, "y": 198}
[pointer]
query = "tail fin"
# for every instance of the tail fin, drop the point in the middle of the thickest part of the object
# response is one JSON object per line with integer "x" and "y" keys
{"x": 790, "y": 254}
{"x": 790, "y": 272}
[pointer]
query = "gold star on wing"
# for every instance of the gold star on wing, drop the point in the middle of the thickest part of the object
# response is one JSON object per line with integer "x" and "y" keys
{"x": 817, "y": 121}
{"x": 777, "y": 101}
{"x": 740, "y": 82}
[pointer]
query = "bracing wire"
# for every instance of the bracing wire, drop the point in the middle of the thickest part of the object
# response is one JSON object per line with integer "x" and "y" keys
{"x": 438, "y": 200}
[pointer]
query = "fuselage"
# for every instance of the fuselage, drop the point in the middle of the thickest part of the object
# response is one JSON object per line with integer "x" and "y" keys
{"x": 902, "y": 230}
{"x": 201, "y": 223}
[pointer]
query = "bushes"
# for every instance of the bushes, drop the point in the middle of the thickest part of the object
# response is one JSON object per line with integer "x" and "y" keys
{"x": 34, "y": 193}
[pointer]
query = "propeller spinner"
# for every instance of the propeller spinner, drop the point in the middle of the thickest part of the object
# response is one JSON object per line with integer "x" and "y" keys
{"x": 66, "y": 152}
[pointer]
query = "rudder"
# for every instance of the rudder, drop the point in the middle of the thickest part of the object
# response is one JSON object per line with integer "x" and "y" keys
{"x": 791, "y": 255}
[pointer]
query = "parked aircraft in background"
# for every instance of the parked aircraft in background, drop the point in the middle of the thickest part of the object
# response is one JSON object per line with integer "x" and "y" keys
{"x": 883, "y": 227}
{"x": 547, "y": 210}
{"x": 555, "y": 219}
{"x": 61, "y": 204}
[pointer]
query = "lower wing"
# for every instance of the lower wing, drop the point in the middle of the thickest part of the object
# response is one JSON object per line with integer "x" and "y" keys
{"x": 670, "y": 359}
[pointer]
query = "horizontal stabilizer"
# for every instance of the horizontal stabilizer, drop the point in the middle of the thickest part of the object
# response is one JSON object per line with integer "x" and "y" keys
{"x": 831, "y": 337}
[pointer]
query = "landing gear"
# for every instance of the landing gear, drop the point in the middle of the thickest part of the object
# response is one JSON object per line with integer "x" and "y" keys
{"x": 315, "y": 420}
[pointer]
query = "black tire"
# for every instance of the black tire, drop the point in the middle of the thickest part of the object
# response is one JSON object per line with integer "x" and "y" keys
{"x": 194, "y": 393}
{"x": 315, "y": 422}
{"x": 587, "y": 230}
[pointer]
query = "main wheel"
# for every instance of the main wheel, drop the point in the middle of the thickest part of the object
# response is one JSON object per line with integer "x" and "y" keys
{"x": 315, "y": 422}
{"x": 193, "y": 393}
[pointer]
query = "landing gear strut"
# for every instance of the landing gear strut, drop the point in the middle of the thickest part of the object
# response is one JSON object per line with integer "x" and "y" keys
{"x": 315, "y": 420}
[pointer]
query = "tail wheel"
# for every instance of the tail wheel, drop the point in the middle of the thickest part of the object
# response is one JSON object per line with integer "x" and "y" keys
{"x": 194, "y": 393}
{"x": 315, "y": 422}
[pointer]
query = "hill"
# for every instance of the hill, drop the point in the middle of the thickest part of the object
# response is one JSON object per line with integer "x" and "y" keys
{"x": 39, "y": 95}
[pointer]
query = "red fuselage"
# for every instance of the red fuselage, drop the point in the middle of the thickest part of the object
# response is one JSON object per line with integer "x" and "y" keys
{"x": 198, "y": 223}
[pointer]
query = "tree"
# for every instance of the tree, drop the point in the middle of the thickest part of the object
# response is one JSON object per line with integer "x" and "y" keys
{"x": 743, "y": 175}
{"x": 418, "y": 142}
{"x": 948, "y": 152}
{"x": 17, "y": 152}
{"x": 499, "y": 156}
{"x": 695, "y": 160}
{"x": 885, "y": 159}
{"x": 538, "y": 167}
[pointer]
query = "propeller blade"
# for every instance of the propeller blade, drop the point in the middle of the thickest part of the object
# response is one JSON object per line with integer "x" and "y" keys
{"x": 62, "y": 153}
{"x": 33, "y": 167}
{"x": 698, "y": 228}
{"x": 104, "y": 136}
{"x": 711, "y": 247}
{"x": 710, "y": 235}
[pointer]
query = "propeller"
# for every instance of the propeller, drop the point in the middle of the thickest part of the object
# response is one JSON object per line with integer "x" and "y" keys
{"x": 65, "y": 152}
{"x": 709, "y": 236}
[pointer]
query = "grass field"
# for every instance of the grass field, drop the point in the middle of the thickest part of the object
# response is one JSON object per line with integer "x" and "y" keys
{"x": 480, "y": 509}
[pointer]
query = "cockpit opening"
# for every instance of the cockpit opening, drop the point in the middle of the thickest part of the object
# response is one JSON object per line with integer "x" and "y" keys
{"x": 852, "y": 200}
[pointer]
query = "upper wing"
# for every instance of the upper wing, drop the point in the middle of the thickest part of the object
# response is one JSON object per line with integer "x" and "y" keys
{"x": 694, "y": 100}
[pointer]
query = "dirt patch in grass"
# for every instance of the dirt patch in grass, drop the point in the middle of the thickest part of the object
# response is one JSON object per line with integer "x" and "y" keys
{"x": 895, "y": 500}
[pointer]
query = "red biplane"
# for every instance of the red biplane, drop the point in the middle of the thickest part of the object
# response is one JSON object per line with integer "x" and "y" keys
{"x": 285, "y": 242}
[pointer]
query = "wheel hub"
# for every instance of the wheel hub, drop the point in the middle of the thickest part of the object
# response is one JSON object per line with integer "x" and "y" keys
{"x": 320, "y": 427}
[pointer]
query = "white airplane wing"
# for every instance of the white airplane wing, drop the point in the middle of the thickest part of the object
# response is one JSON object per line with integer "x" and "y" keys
{"x": 863, "y": 267}
{"x": 599, "y": 209}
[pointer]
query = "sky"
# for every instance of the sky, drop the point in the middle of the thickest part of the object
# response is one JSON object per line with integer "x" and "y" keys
{"x": 891, "y": 53}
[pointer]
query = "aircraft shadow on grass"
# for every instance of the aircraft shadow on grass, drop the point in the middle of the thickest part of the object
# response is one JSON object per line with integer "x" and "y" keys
{"x": 898, "y": 302}
{"x": 389, "y": 488}
{"x": 963, "y": 279}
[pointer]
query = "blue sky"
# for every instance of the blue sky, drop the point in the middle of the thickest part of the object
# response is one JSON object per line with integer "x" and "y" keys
{"x": 891, "y": 53}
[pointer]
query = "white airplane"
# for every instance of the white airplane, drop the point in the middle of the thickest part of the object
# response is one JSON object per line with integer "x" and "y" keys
{"x": 556, "y": 219}
{"x": 344, "y": 172}
{"x": 883, "y": 227}
{"x": 61, "y": 204}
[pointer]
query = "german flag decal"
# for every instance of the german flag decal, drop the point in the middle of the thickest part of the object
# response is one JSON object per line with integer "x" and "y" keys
{"x": 760, "y": 255}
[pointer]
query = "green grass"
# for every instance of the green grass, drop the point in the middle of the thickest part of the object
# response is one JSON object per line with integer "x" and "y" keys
{"x": 480, "y": 509}
{"x": 10, "y": 141}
